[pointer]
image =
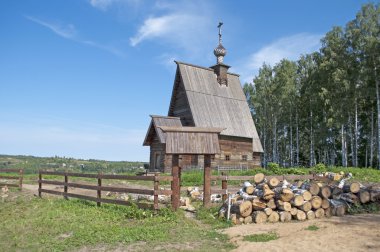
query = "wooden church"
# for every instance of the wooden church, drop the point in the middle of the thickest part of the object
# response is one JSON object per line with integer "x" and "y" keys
{"x": 208, "y": 113}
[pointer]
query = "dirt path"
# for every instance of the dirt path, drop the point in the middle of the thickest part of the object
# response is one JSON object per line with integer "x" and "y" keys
{"x": 348, "y": 233}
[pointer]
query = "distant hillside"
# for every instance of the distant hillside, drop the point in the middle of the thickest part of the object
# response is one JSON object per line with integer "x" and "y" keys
{"x": 32, "y": 164}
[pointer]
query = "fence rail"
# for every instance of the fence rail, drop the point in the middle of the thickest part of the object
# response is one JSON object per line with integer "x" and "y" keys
{"x": 99, "y": 188}
{"x": 19, "y": 178}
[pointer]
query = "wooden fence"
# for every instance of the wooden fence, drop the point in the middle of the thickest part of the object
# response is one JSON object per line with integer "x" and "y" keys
{"x": 225, "y": 178}
{"x": 99, "y": 188}
{"x": 17, "y": 179}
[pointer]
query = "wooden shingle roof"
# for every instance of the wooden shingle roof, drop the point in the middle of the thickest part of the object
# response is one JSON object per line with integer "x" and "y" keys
{"x": 216, "y": 106}
{"x": 155, "y": 124}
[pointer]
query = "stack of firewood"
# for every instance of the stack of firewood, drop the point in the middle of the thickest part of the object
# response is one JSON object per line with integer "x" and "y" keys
{"x": 273, "y": 201}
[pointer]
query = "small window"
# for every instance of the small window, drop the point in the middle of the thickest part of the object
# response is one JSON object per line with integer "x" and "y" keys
{"x": 244, "y": 157}
{"x": 227, "y": 157}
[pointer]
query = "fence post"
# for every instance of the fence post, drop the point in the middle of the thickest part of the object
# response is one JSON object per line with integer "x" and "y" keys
{"x": 21, "y": 174}
{"x": 175, "y": 183}
{"x": 65, "y": 186}
{"x": 99, "y": 191}
{"x": 39, "y": 183}
{"x": 156, "y": 187}
{"x": 224, "y": 186}
{"x": 207, "y": 181}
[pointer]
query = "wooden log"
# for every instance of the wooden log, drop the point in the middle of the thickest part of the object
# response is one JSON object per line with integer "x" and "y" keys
{"x": 319, "y": 213}
{"x": 297, "y": 200}
{"x": 293, "y": 211}
{"x": 241, "y": 220}
{"x": 259, "y": 217}
{"x": 273, "y": 182}
{"x": 286, "y": 195}
{"x": 258, "y": 205}
{"x": 305, "y": 194}
{"x": 325, "y": 192}
{"x": 349, "y": 197}
{"x": 306, "y": 206}
{"x": 336, "y": 191}
{"x": 301, "y": 215}
{"x": 271, "y": 204}
{"x": 328, "y": 212}
{"x": 312, "y": 187}
{"x": 266, "y": 193}
{"x": 354, "y": 187}
{"x": 285, "y": 216}
{"x": 374, "y": 195}
{"x": 338, "y": 207}
{"x": 249, "y": 189}
{"x": 364, "y": 196}
{"x": 268, "y": 211}
{"x": 259, "y": 178}
{"x": 325, "y": 203}
{"x": 243, "y": 208}
{"x": 274, "y": 217}
{"x": 234, "y": 219}
{"x": 283, "y": 205}
{"x": 310, "y": 215}
{"x": 248, "y": 220}
{"x": 316, "y": 202}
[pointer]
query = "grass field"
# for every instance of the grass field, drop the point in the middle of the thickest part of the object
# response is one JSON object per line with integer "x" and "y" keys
{"x": 51, "y": 224}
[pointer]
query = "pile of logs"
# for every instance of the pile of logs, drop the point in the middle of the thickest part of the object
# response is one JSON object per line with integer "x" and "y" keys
{"x": 273, "y": 201}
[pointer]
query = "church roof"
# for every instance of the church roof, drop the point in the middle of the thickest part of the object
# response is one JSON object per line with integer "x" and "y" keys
{"x": 216, "y": 106}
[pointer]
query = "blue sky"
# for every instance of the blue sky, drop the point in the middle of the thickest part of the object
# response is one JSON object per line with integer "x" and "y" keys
{"x": 79, "y": 78}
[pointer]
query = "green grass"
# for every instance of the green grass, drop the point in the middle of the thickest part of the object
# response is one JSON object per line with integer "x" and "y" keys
{"x": 312, "y": 228}
{"x": 34, "y": 224}
{"x": 373, "y": 207}
{"x": 261, "y": 237}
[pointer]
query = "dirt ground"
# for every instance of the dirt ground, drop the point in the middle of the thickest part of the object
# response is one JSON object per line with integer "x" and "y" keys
{"x": 348, "y": 233}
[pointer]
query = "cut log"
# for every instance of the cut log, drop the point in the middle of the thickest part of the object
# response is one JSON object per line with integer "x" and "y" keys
{"x": 241, "y": 220}
{"x": 268, "y": 211}
{"x": 328, "y": 212}
{"x": 319, "y": 213}
{"x": 259, "y": 178}
{"x": 375, "y": 195}
{"x": 312, "y": 187}
{"x": 310, "y": 215}
{"x": 259, "y": 217}
{"x": 248, "y": 219}
{"x": 293, "y": 211}
{"x": 325, "y": 192}
{"x": 273, "y": 182}
{"x": 283, "y": 205}
{"x": 249, "y": 189}
{"x": 364, "y": 196}
{"x": 316, "y": 202}
{"x": 325, "y": 203}
{"x": 266, "y": 193}
{"x": 297, "y": 200}
{"x": 354, "y": 187}
{"x": 285, "y": 216}
{"x": 301, "y": 215}
{"x": 305, "y": 194}
{"x": 286, "y": 195}
{"x": 243, "y": 208}
{"x": 349, "y": 197}
{"x": 234, "y": 219}
{"x": 306, "y": 206}
{"x": 274, "y": 217}
{"x": 258, "y": 205}
{"x": 338, "y": 207}
{"x": 271, "y": 204}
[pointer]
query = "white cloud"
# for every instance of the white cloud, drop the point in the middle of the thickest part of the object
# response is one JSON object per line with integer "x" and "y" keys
{"x": 290, "y": 48}
{"x": 106, "y": 4}
{"x": 65, "y": 31}
{"x": 69, "y": 32}
{"x": 184, "y": 26}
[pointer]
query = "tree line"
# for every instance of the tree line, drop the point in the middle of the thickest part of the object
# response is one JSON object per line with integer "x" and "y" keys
{"x": 324, "y": 107}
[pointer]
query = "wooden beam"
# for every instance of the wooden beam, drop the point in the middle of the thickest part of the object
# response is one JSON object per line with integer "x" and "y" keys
{"x": 207, "y": 181}
{"x": 175, "y": 183}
